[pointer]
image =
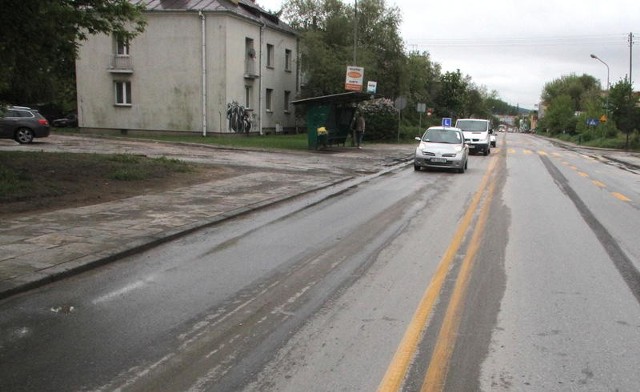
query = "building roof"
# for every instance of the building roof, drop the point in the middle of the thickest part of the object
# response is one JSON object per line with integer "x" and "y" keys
{"x": 244, "y": 8}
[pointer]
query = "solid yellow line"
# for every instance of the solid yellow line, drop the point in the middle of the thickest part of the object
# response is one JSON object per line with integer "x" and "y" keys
{"x": 439, "y": 364}
{"x": 620, "y": 196}
{"x": 399, "y": 365}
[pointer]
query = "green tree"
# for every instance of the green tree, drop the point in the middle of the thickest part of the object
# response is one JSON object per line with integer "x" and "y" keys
{"x": 326, "y": 30}
{"x": 577, "y": 88}
{"x": 39, "y": 40}
{"x": 323, "y": 65}
{"x": 452, "y": 94}
{"x": 498, "y": 106}
{"x": 624, "y": 109}
{"x": 420, "y": 83}
{"x": 475, "y": 104}
{"x": 379, "y": 45}
{"x": 327, "y": 41}
{"x": 566, "y": 96}
{"x": 560, "y": 115}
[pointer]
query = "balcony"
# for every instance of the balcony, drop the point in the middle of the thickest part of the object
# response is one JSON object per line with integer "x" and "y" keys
{"x": 250, "y": 69}
{"x": 121, "y": 64}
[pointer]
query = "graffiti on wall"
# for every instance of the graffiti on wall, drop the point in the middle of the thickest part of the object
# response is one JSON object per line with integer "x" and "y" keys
{"x": 238, "y": 118}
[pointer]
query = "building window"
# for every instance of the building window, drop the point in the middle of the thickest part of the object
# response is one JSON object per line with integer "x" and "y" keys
{"x": 287, "y": 60}
{"x": 123, "y": 93}
{"x": 250, "y": 59}
{"x": 268, "y": 100}
{"x": 287, "y": 99}
{"x": 122, "y": 46}
{"x": 248, "y": 92}
{"x": 270, "y": 56}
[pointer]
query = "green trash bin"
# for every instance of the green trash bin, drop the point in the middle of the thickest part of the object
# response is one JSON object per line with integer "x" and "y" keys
{"x": 317, "y": 117}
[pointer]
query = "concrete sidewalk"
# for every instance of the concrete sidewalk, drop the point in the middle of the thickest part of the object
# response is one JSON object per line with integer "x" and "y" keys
{"x": 41, "y": 248}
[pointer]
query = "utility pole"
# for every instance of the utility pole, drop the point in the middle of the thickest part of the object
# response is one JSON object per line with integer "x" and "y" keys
{"x": 630, "y": 58}
{"x": 355, "y": 33}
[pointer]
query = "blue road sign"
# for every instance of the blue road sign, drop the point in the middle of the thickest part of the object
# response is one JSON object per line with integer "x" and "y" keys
{"x": 446, "y": 122}
{"x": 592, "y": 122}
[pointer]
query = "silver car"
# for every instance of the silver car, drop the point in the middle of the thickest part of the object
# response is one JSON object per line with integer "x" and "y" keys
{"x": 442, "y": 147}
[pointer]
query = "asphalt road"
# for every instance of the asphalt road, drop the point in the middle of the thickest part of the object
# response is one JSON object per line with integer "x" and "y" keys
{"x": 521, "y": 274}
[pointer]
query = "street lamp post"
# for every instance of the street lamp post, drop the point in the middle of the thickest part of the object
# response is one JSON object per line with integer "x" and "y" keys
{"x": 593, "y": 56}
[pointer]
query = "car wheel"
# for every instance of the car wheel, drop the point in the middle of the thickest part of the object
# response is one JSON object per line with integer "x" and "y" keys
{"x": 24, "y": 135}
{"x": 487, "y": 151}
{"x": 463, "y": 168}
{"x": 416, "y": 167}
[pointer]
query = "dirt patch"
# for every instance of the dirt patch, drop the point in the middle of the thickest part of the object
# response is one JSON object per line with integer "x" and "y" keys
{"x": 58, "y": 182}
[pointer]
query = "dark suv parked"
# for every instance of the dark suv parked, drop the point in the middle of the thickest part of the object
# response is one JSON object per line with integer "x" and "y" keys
{"x": 22, "y": 124}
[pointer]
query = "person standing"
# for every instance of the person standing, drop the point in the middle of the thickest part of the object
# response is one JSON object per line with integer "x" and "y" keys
{"x": 360, "y": 126}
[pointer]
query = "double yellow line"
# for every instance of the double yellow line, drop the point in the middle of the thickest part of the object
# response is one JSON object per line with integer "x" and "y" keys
{"x": 439, "y": 364}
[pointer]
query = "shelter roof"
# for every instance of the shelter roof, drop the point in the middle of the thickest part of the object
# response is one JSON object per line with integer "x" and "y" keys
{"x": 348, "y": 97}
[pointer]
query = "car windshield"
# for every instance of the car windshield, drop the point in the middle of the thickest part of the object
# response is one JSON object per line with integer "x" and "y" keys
{"x": 441, "y": 136}
{"x": 471, "y": 125}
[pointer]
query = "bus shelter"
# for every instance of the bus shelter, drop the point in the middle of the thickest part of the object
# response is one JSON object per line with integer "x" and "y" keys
{"x": 329, "y": 117}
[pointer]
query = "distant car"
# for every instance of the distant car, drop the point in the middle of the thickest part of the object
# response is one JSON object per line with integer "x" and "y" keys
{"x": 70, "y": 120}
{"x": 442, "y": 147}
{"x": 22, "y": 124}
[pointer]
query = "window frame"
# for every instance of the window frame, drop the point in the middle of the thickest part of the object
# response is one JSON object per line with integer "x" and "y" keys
{"x": 122, "y": 93}
{"x": 122, "y": 47}
{"x": 287, "y": 101}
{"x": 287, "y": 59}
{"x": 248, "y": 94}
{"x": 270, "y": 56}
{"x": 268, "y": 100}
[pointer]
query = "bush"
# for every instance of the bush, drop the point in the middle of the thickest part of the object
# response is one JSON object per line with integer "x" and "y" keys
{"x": 408, "y": 133}
{"x": 382, "y": 120}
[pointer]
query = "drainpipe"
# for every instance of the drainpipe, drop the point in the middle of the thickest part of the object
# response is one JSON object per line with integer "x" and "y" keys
{"x": 262, "y": 26}
{"x": 204, "y": 73}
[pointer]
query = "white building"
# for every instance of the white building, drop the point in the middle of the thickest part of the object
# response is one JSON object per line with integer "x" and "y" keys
{"x": 193, "y": 59}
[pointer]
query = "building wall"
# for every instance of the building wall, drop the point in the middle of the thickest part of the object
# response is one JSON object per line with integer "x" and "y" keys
{"x": 166, "y": 77}
{"x": 274, "y": 77}
{"x": 279, "y": 80}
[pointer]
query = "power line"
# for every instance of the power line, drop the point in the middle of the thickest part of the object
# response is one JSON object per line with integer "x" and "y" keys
{"x": 591, "y": 40}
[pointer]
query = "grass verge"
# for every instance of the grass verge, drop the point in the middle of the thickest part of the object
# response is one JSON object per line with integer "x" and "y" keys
{"x": 44, "y": 180}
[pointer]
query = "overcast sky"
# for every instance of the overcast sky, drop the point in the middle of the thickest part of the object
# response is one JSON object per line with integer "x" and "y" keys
{"x": 515, "y": 47}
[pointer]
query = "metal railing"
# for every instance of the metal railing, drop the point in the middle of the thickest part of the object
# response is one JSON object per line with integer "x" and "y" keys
{"x": 121, "y": 64}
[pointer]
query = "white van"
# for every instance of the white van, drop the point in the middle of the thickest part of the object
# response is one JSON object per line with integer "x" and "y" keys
{"x": 476, "y": 134}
